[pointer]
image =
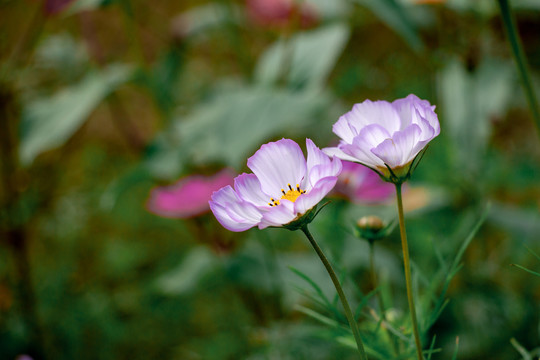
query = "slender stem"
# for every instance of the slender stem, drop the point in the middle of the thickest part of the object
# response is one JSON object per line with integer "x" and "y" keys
{"x": 521, "y": 61}
{"x": 341, "y": 294}
{"x": 407, "y": 266}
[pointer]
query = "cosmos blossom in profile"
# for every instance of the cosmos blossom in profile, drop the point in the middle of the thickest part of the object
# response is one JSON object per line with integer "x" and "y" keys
{"x": 386, "y": 136}
{"x": 189, "y": 196}
{"x": 282, "y": 188}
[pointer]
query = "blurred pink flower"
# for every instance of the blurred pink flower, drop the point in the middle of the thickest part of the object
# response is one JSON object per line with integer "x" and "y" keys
{"x": 360, "y": 184}
{"x": 280, "y": 12}
{"x": 189, "y": 196}
{"x": 53, "y": 7}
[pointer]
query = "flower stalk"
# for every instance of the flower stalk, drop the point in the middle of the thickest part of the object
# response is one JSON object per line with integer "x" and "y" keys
{"x": 407, "y": 267}
{"x": 521, "y": 60}
{"x": 341, "y": 294}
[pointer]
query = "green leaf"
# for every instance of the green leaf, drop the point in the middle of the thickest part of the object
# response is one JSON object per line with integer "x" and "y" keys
{"x": 525, "y": 269}
{"x": 303, "y": 57}
{"x": 469, "y": 101}
{"x": 319, "y": 317}
{"x": 186, "y": 276}
{"x": 314, "y": 285}
{"x": 48, "y": 123}
{"x": 202, "y": 18}
{"x": 522, "y": 351}
{"x": 232, "y": 125}
{"x": 454, "y": 268}
{"x": 394, "y": 14}
{"x": 85, "y": 5}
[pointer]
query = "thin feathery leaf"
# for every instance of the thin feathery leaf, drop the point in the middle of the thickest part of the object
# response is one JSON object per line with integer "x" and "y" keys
{"x": 316, "y": 287}
{"x": 525, "y": 269}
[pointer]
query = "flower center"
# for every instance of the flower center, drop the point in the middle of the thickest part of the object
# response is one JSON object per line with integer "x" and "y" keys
{"x": 291, "y": 195}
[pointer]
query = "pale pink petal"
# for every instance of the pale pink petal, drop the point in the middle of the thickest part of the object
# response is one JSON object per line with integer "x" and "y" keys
{"x": 278, "y": 215}
{"x": 226, "y": 221}
{"x": 232, "y": 212}
{"x": 278, "y": 164}
{"x": 401, "y": 149}
{"x": 370, "y": 137}
{"x": 248, "y": 188}
{"x": 314, "y": 155}
{"x": 337, "y": 152}
{"x": 374, "y": 112}
{"x": 244, "y": 212}
{"x": 319, "y": 165}
{"x": 322, "y": 171}
{"x": 342, "y": 129}
{"x": 313, "y": 197}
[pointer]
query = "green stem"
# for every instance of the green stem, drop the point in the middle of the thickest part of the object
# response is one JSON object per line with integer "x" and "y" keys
{"x": 521, "y": 61}
{"x": 407, "y": 266}
{"x": 379, "y": 295}
{"x": 341, "y": 294}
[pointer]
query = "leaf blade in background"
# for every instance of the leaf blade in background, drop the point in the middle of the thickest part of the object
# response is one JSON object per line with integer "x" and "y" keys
{"x": 394, "y": 15}
{"x": 48, "y": 123}
{"x": 308, "y": 66}
{"x": 185, "y": 278}
{"x": 231, "y": 125}
{"x": 199, "y": 19}
{"x": 469, "y": 102}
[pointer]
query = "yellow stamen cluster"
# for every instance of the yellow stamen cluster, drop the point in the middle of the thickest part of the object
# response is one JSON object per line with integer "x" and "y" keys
{"x": 291, "y": 195}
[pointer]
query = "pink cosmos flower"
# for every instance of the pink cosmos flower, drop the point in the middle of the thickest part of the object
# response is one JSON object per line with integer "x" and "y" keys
{"x": 282, "y": 188}
{"x": 280, "y": 12}
{"x": 188, "y": 197}
{"x": 360, "y": 184}
{"x": 383, "y": 135}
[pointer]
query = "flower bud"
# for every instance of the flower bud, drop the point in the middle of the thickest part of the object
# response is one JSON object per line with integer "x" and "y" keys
{"x": 372, "y": 228}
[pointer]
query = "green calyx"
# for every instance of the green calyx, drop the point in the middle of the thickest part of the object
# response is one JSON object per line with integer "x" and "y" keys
{"x": 304, "y": 219}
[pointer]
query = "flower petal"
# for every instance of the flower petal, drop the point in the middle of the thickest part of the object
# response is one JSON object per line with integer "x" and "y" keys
{"x": 337, "y": 152}
{"x": 324, "y": 170}
{"x": 343, "y": 129}
{"x": 374, "y": 112}
{"x": 248, "y": 188}
{"x": 314, "y": 155}
{"x": 413, "y": 110}
{"x": 370, "y": 137}
{"x": 313, "y": 197}
{"x": 233, "y": 213}
{"x": 278, "y": 215}
{"x": 402, "y": 148}
{"x": 225, "y": 220}
{"x": 319, "y": 165}
{"x": 277, "y": 164}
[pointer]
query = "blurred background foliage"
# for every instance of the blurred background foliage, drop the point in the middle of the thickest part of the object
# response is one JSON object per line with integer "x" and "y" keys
{"x": 102, "y": 100}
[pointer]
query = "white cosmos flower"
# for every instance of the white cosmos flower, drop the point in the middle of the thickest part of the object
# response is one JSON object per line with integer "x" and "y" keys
{"x": 383, "y": 135}
{"x": 282, "y": 188}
